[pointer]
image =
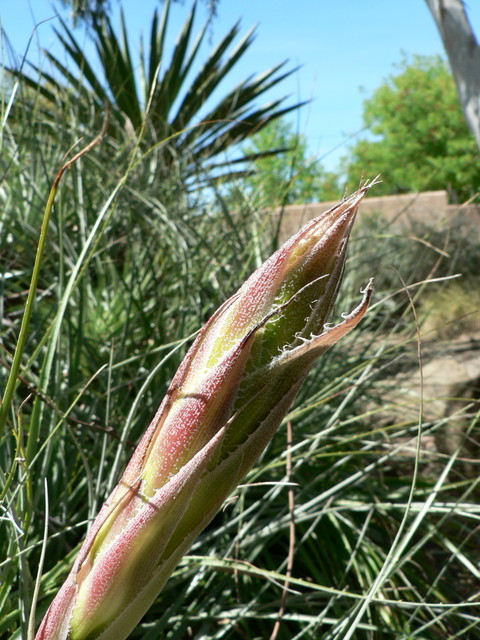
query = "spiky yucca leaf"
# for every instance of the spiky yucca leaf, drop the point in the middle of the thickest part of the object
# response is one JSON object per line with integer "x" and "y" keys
{"x": 167, "y": 101}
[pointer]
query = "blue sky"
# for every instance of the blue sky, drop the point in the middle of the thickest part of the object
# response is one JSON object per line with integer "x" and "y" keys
{"x": 345, "y": 48}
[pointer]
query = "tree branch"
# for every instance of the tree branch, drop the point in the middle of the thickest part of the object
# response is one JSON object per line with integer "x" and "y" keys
{"x": 463, "y": 53}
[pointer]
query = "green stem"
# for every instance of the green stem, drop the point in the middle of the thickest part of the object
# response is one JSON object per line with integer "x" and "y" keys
{"x": 27, "y": 314}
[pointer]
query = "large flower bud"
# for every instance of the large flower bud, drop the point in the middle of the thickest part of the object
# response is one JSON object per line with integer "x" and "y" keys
{"x": 224, "y": 404}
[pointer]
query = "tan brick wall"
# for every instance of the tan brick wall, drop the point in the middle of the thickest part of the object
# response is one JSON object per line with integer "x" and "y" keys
{"x": 429, "y": 207}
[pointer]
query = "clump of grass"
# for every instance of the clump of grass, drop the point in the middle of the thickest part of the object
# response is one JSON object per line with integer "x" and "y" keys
{"x": 416, "y": 253}
{"x": 451, "y": 309}
{"x": 374, "y": 546}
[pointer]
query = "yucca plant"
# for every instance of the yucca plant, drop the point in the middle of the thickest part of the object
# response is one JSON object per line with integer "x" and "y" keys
{"x": 366, "y": 548}
{"x": 121, "y": 330}
{"x": 166, "y": 99}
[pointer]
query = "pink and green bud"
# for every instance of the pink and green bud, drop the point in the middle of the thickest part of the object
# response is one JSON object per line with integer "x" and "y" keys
{"x": 223, "y": 406}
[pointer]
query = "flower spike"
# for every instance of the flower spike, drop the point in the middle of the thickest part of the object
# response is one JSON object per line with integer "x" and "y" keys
{"x": 230, "y": 394}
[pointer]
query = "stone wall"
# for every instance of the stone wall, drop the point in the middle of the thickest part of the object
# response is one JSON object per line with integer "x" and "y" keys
{"x": 401, "y": 211}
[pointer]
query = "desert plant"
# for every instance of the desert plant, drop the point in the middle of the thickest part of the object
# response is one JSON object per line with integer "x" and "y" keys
{"x": 343, "y": 528}
{"x": 167, "y": 102}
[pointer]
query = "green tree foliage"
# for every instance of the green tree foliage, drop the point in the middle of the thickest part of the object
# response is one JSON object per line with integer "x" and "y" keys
{"x": 90, "y": 10}
{"x": 419, "y": 140}
{"x": 280, "y": 170}
{"x": 87, "y": 10}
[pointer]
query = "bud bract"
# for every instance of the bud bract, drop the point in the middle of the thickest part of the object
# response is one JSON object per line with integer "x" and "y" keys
{"x": 225, "y": 402}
